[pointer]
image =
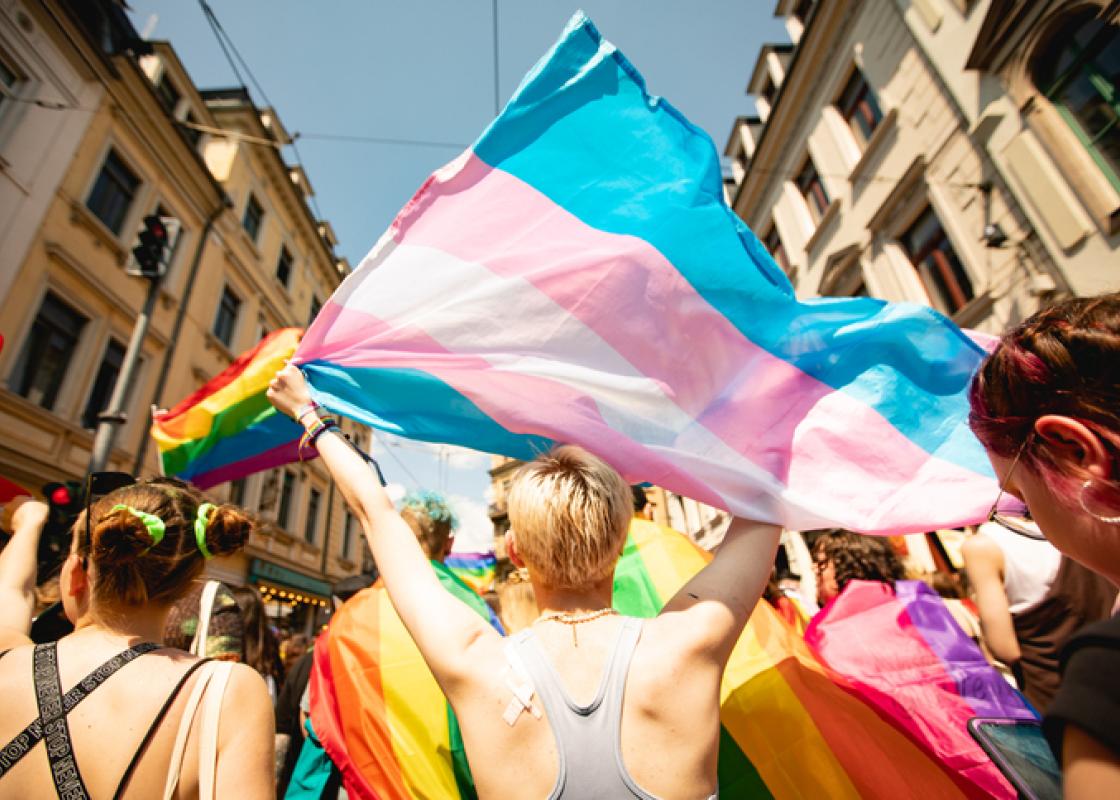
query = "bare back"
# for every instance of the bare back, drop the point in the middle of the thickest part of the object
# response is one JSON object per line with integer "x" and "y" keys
{"x": 670, "y": 712}
{"x": 109, "y": 727}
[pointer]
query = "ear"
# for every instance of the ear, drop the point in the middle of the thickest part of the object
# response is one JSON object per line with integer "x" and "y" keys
{"x": 74, "y": 580}
{"x": 1073, "y": 443}
{"x": 511, "y": 550}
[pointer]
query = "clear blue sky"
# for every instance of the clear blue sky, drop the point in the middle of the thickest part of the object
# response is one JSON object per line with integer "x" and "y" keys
{"x": 424, "y": 70}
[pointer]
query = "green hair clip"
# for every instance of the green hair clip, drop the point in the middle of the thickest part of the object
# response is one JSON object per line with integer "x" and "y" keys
{"x": 200, "y": 523}
{"x": 155, "y": 526}
{"x": 433, "y": 504}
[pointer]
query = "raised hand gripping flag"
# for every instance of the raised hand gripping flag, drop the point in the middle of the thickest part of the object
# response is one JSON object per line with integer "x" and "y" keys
{"x": 576, "y": 276}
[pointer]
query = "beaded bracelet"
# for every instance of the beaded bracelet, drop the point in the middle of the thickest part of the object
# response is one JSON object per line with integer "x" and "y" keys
{"x": 304, "y": 410}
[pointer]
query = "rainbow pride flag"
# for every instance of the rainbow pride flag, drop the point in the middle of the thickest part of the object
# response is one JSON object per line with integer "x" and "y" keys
{"x": 228, "y": 429}
{"x": 923, "y": 672}
{"x": 477, "y": 570}
{"x": 376, "y": 708}
{"x": 793, "y": 728}
{"x": 576, "y": 276}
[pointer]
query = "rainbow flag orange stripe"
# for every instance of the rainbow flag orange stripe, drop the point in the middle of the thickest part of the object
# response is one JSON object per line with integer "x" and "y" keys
{"x": 228, "y": 429}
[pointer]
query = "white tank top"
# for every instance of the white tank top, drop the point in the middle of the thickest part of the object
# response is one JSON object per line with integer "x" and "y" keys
{"x": 1029, "y": 566}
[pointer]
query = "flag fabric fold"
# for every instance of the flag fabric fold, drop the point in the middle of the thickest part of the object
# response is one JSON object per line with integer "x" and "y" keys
{"x": 793, "y": 728}
{"x": 228, "y": 429}
{"x": 576, "y": 276}
{"x": 923, "y": 671}
{"x": 376, "y": 707}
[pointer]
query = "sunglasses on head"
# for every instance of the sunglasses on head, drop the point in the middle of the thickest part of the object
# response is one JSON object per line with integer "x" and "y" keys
{"x": 98, "y": 485}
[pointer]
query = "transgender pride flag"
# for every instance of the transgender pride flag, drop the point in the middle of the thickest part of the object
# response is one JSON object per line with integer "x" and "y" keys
{"x": 577, "y": 277}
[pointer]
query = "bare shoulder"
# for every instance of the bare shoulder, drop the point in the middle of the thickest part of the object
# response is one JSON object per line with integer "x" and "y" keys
{"x": 10, "y": 638}
{"x": 246, "y": 686}
{"x": 980, "y": 550}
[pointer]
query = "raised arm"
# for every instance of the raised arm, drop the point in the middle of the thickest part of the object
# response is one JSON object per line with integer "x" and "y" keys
{"x": 18, "y": 568}
{"x": 983, "y": 561}
{"x": 442, "y": 626}
{"x": 713, "y": 608}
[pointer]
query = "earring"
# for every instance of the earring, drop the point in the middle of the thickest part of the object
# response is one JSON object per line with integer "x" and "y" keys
{"x": 1093, "y": 514}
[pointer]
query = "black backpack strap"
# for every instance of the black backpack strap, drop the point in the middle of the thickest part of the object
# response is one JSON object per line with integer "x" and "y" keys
{"x": 152, "y": 728}
{"x": 67, "y": 778}
{"x": 45, "y": 661}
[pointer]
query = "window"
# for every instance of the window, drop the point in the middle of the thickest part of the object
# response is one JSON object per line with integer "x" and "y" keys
{"x": 237, "y": 492}
{"x": 811, "y": 188}
{"x": 113, "y": 192}
{"x": 940, "y": 269}
{"x": 347, "y": 535}
{"x": 859, "y": 107}
{"x": 9, "y": 80}
{"x": 312, "y": 522}
{"x": 284, "y": 266}
{"x": 1079, "y": 71}
{"x": 773, "y": 243}
{"x": 270, "y": 490}
{"x": 316, "y": 307}
{"x": 104, "y": 384}
{"x": 287, "y": 489}
{"x": 50, "y": 346}
{"x": 251, "y": 222}
{"x": 226, "y": 320}
{"x": 802, "y": 9}
{"x": 168, "y": 94}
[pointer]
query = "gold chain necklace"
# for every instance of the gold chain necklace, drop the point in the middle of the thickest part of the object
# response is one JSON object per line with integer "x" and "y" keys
{"x": 572, "y": 620}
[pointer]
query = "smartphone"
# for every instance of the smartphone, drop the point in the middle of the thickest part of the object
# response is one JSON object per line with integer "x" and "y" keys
{"x": 1019, "y": 749}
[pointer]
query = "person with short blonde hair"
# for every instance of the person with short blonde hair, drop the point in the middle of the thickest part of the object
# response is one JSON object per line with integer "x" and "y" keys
{"x": 569, "y": 512}
{"x": 583, "y": 702}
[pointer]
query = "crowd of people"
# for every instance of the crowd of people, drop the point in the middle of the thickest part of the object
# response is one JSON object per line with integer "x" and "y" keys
{"x": 570, "y": 703}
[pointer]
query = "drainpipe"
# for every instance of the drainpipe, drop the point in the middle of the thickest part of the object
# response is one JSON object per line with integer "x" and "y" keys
{"x": 177, "y": 327}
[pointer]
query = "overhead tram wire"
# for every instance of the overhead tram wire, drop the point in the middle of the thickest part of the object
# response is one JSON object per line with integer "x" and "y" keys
{"x": 385, "y": 446}
{"x": 220, "y": 33}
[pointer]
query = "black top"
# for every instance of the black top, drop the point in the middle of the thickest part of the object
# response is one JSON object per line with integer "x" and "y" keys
{"x": 1090, "y": 693}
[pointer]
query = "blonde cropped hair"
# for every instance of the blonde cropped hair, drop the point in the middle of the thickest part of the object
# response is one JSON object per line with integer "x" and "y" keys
{"x": 569, "y": 512}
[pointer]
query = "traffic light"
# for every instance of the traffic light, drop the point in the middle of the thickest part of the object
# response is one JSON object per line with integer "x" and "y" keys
{"x": 156, "y": 240}
{"x": 66, "y": 501}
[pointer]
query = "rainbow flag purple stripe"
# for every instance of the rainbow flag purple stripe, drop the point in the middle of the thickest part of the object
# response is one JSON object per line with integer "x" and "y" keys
{"x": 576, "y": 276}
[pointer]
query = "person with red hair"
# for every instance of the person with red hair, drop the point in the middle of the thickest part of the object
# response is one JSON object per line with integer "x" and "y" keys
{"x": 1046, "y": 406}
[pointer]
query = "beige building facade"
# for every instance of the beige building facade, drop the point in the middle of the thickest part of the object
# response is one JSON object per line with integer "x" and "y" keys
{"x": 926, "y": 151}
{"x": 251, "y": 257}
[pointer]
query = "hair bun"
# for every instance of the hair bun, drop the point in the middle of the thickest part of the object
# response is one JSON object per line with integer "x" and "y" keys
{"x": 227, "y": 530}
{"x": 118, "y": 537}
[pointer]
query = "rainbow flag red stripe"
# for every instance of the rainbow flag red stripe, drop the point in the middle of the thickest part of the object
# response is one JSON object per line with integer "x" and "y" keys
{"x": 228, "y": 429}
